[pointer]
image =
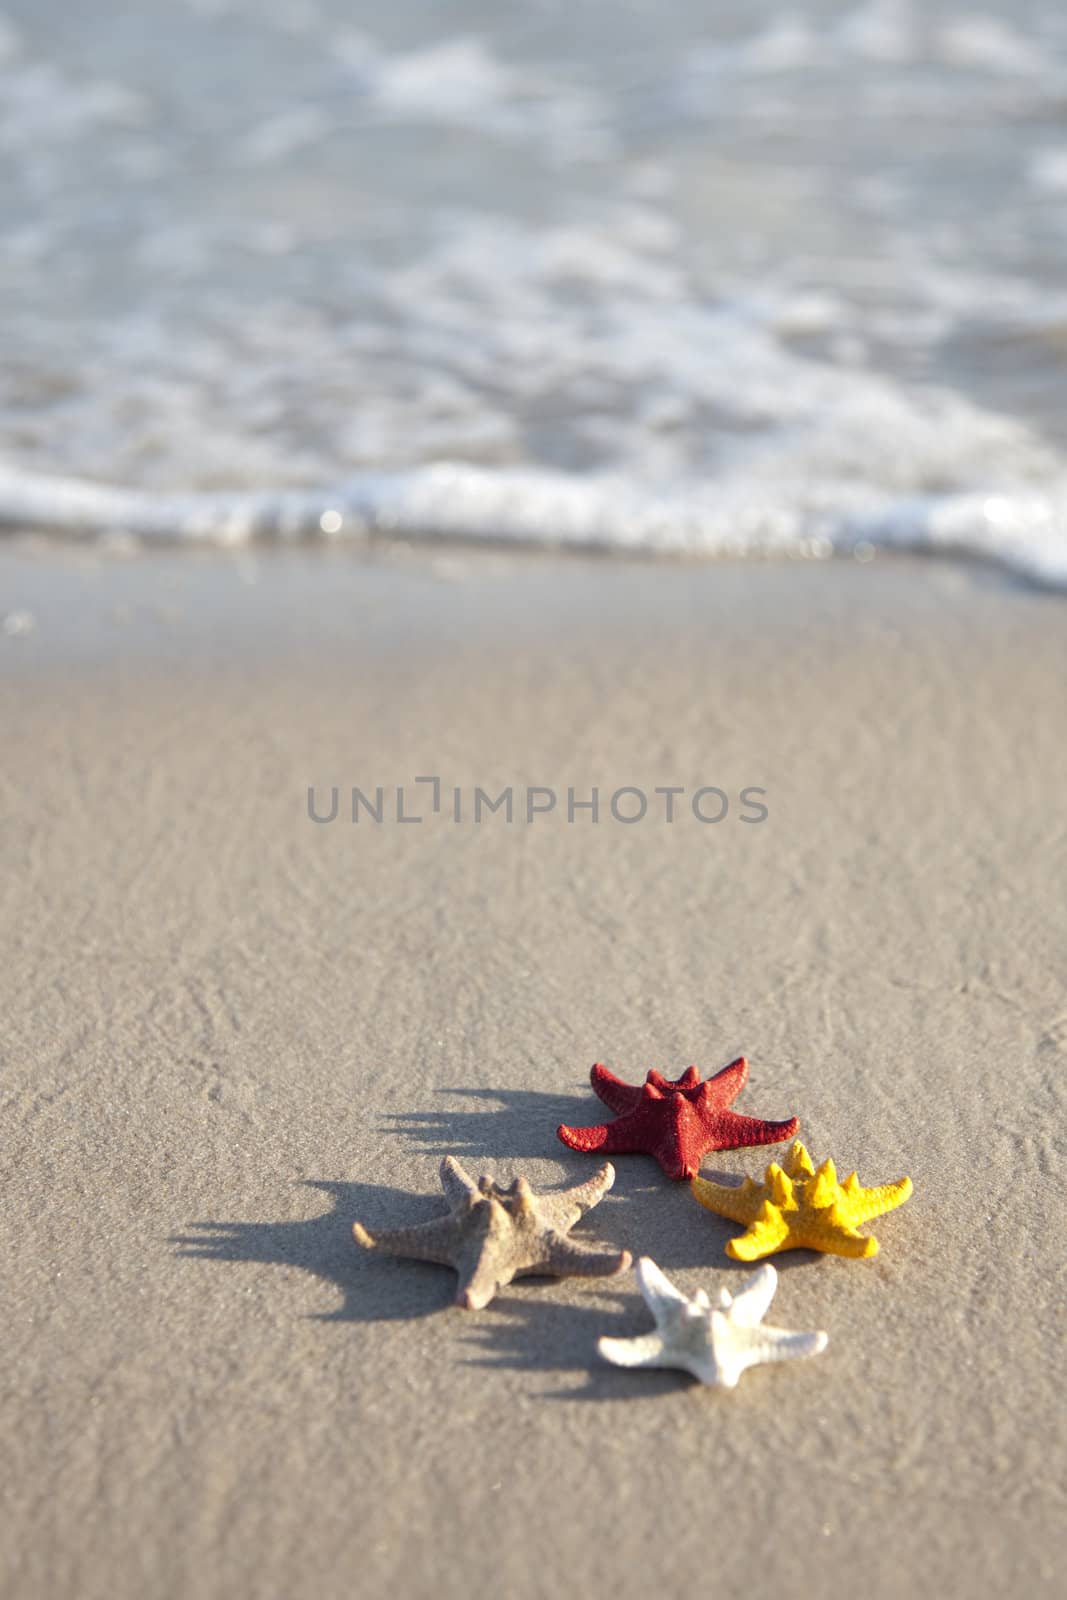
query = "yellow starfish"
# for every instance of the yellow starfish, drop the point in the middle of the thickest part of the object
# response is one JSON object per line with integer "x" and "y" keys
{"x": 799, "y": 1206}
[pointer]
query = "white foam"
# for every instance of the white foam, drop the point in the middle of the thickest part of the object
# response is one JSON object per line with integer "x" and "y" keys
{"x": 283, "y": 135}
{"x": 1047, "y": 169}
{"x": 1024, "y": 531}
{"x": 990, "y": 44}
{"x": 45, "y": 106}
{"x": 460, "y": 82}
{"x": 10, "y": 40}
{"x": 532, "y": 283}
{"x": 699, "y": 426}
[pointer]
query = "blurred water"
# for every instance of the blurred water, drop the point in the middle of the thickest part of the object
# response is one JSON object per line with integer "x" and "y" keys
{"x": 686, "y": 273}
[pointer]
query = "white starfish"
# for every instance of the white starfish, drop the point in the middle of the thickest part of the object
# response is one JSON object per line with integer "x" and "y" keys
{"x": 714, "y": 1342}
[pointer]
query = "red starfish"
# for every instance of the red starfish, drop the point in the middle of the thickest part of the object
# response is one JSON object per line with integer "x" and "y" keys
{"x": 678, "y": 1121}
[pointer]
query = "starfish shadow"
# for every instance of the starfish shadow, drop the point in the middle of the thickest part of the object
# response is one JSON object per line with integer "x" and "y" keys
{"x": 650, "y": 1216}
{"x": 372, "y": 1288}
{"x": 559, "y": 1337}
{"x": 523, "y": 1127}
{"x": 667, "y": 1225}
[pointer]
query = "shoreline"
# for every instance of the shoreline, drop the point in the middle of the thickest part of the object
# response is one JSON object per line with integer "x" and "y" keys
{"x": 1015, "y": 527}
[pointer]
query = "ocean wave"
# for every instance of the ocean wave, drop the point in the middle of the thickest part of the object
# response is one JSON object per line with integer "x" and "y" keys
{"x": 1024, "y": 530}
{"x": 707, "y": 281}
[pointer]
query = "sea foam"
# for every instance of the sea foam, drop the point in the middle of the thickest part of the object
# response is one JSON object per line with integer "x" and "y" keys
{"x": 748, "y": 286}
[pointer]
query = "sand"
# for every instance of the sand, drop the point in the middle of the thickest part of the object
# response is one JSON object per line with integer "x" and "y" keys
{"x": 229, "y": 1031}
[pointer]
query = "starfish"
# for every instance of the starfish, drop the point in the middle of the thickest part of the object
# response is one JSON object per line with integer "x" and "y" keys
{"x": 716, "y": 1343}
{"x": 677, "y": 1120}
{"x": 799, "y": 1206}
{"x": 493, "y": 1234}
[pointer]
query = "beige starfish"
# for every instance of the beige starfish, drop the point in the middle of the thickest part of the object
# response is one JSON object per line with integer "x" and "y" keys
{"x": 493, "y": 1234}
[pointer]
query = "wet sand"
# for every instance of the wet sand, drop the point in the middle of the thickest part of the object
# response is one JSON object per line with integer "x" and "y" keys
{"x": 229, "y": 1032}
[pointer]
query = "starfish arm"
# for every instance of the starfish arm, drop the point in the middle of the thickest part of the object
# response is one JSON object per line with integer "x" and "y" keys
{"x": 738, "y": 1202}
{"x": 798, "y": 1163}
{"x": 646, "y": 1351}
{"x": 752, "y": 1300}
{"x": 430, "y": 1241}
{"x": 563, "y": 1258}
{"x": 690, "y": 1079}
{"x": 617, "y": 1095}
{"x": 867, "y": 1203}
{"x": 837, "y": 1239}
{"x": 768, "y": 1233}
{"x": 458, "y": 1185}
{"x": 656, "y": 1288}
{"x": 733, "y": 1130}
{"x": 481, "y": 1274}
{"x": 601, "y": 1137}
{"x": 778, "y": 1344}
{"x": 562, "y": 1210}
{"x": 714, "y": 1371}
{"x": 726, "y": 1085}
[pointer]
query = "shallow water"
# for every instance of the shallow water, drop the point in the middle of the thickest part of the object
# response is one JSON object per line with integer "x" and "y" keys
{"x": 683, "y": 275}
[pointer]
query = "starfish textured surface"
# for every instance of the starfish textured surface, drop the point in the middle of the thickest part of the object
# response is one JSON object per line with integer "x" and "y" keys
{"x": 677, "y": 1120}
{"x": 800, "y": 1206}
{"x": 494, "y": 1234}
{"x": 716, "y": 1343}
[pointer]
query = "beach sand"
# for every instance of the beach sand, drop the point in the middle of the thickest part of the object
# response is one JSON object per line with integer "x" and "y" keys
{"x": 229, "y": 1031}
